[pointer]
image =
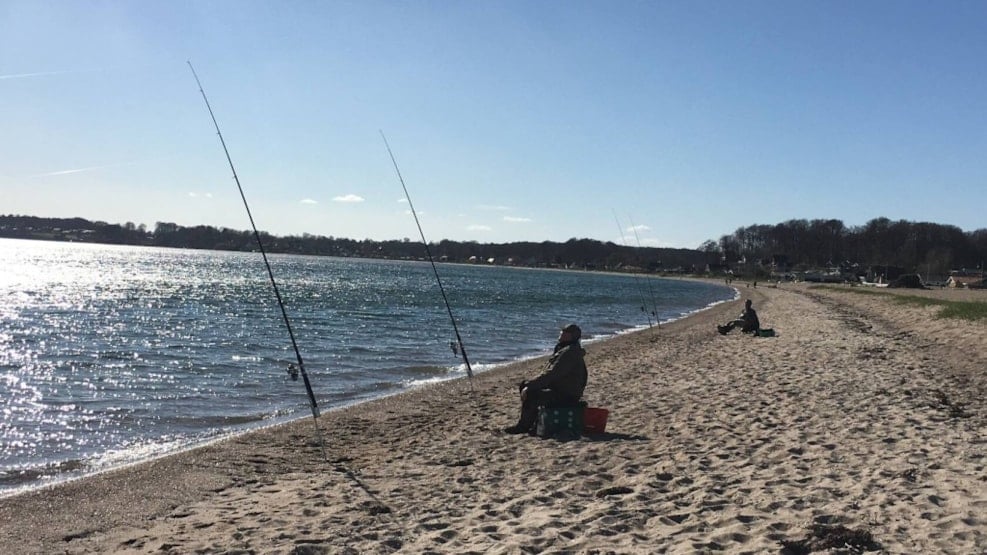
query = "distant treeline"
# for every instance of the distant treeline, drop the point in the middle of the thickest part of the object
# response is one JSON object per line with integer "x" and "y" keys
{"x": 574, "y": 253}
{"x": 757, "y": 250}
{"x": 916, "y": 247}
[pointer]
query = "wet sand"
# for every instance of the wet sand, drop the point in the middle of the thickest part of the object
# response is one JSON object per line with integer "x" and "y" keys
{"x": 861, "y": 417}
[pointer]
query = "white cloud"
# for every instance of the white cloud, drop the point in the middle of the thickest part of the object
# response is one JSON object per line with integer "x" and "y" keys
{"x": 309, "y": 201}
{"x": 638, "y": 228}
{"x": 197, "y": 195}
{"x": 478, "y": 227}
{"x": 516, "y": 219}
{"x": 404, "y": 200}
{"x": 494, "y": 207}
{"x": 350, "y": 198}
{"x": 648, "y": 242}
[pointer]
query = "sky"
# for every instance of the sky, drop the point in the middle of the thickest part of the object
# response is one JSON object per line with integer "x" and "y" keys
{"x": 510, "y": 120}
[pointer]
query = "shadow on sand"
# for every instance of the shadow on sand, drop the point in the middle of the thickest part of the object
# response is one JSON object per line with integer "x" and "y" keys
{"x": 596, "y": 438}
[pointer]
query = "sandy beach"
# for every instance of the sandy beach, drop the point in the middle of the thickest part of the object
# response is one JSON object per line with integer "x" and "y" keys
{"x": 862, "y": 421}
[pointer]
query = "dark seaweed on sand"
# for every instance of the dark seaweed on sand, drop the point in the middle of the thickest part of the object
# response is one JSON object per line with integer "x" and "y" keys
{"x": 822, "y": 537}
{"x": 952, "y": 408}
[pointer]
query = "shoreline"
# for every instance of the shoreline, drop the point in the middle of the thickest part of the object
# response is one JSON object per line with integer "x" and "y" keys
{"x": 714, "y": 443}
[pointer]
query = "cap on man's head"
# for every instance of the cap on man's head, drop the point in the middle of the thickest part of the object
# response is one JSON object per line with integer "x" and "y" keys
{"x": 574, "y": 330}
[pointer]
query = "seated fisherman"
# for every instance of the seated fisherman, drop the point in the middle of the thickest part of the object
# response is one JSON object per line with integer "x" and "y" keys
{"x": 747, "y": 321}
{"x": 562, "y": 383}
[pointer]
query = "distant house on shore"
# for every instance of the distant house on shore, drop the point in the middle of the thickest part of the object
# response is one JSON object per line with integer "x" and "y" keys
{"x": 778, "y": 263}
{"x": 966, "y": 282}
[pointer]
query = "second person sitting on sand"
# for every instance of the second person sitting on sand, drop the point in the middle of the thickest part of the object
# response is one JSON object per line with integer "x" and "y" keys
{"x": 562, "y": 382}
{"x": 747, "y": 321}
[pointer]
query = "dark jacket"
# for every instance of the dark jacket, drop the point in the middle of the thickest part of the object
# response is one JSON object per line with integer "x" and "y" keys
{"x": 566, "y": 372}
{"x": 751, "y": 323}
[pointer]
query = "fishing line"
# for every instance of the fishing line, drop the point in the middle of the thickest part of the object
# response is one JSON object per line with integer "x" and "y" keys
{"x": 644, "y": 303}
{"x": 274, "y": 284}
{"x": 462, "y": 348}
{"x": 651, "y": 290}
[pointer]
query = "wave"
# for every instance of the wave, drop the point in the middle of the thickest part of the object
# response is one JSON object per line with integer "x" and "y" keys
{"x": 14, "y": 477}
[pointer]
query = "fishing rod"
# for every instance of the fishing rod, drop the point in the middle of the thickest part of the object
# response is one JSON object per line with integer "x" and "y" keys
{"x": 651, "y": 290}
{"x": 462, "y": 348}
{"x": 274, "y": 284}
{"x": 623, "y": 240}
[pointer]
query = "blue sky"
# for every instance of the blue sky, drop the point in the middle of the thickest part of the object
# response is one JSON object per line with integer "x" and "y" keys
{"x": 510, "y": 120}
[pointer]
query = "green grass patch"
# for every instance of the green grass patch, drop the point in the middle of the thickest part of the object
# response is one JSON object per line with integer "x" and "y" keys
{"x": 964, "y": 311}
{"x": 959, "y": 310}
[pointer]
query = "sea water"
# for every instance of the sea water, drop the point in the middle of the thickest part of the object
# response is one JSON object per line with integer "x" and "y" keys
{"x": 114, "y": 354}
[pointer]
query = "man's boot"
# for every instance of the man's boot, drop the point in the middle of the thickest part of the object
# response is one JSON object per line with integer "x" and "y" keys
{"x": 526, "y": 423}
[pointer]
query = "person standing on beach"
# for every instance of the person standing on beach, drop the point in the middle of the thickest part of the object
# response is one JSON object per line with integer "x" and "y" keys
{"x": 747, "y": 321}
{"x": 562, "y": 382}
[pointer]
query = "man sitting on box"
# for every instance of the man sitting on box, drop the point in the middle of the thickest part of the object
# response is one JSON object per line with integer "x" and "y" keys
{"x": 562, "y": 383}
{"x": 747, "y": 321}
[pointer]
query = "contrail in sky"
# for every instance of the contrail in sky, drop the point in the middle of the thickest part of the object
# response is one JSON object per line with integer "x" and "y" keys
{"x": 124, "y": 69}
{"x": 93, "y": 168}
{"x": 78, "y": 170}
{"x": 43, "y": 73}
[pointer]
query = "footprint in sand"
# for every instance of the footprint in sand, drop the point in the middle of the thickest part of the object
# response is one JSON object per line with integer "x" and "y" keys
{"x": 308, "y": 549}
{"x": 615, "y": 490}
{"x": 671, "y": 520}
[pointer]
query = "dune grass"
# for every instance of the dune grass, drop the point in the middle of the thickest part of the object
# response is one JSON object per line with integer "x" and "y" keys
{"x": 959, "y": 310}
